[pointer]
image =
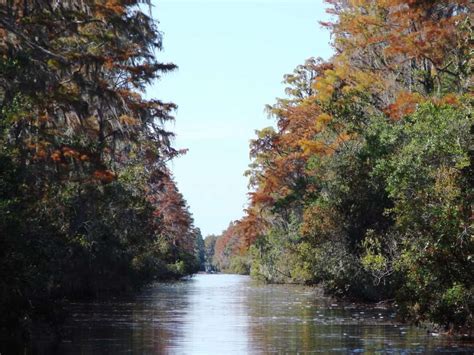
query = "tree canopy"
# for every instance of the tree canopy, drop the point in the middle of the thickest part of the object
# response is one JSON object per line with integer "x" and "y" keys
{"x": 88, "y": 205}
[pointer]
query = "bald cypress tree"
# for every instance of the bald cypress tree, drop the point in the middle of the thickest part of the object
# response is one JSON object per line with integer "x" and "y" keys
{"x": 82, "y": 149}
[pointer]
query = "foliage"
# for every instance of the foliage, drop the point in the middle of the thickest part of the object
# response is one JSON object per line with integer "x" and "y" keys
{"x": 87, "y": 204}
{"x": 433, "y": 211}
{"x": 364, "y": 185}
{"x": 209, "y": 246}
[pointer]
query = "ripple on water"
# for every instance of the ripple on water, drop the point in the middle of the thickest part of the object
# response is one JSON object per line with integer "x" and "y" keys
{"x": 230, "y": 314}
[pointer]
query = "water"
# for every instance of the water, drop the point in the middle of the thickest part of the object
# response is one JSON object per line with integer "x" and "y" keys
{"x": 230, "y": 314}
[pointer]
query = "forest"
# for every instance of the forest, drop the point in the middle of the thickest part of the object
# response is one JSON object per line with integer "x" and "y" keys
{"x": 364, "y": 183}
{"x": 88, "y": 206}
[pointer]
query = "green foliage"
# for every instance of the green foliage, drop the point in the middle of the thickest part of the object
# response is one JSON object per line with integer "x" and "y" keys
{"x": 392, "y": 221}
{"x": 239, "y": 265}
{"x": 275, "y": 256}
{"x": 209, "y": 246}
{"x": 200, "y": 251}
{"x": 373, "y": 259}
{"x": 428, "y": 179}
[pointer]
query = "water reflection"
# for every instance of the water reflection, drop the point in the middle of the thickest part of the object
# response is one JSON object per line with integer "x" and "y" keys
{"x": 296, "y": 320}
{"x": 229, "y": 314}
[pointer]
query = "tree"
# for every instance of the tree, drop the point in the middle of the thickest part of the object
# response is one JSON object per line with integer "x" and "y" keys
{"x": 84, "y": 157}
{"x": 363, "y": 183}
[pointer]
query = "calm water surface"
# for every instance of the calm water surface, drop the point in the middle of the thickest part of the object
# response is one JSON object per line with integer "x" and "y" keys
{"x": 230, "y": 314}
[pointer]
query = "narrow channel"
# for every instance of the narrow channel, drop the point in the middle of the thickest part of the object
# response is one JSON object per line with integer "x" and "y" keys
{"x": 231, "y": 314}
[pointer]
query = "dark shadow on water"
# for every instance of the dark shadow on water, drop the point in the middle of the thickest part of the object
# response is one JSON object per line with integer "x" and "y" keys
{"x": 230, "y": 314}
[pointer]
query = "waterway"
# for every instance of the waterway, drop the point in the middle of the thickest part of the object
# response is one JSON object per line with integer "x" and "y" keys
{"x": 231, "y": 314}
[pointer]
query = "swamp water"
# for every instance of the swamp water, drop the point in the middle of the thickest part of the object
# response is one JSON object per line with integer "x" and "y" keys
{"x": 230, "y": 314}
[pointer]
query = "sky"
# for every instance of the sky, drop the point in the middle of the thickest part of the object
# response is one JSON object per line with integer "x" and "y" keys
{"x": 232, "y": 56}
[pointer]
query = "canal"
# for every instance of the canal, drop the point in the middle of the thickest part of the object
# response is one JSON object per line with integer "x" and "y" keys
{"x": 230, "y": 314}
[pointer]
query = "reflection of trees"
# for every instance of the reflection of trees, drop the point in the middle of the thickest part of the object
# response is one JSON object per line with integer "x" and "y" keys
{"x": 149, "y": 324}
{"x": 281, "y": 318}
{"x": 294, "y": 319}
{"x": 160, "y": 318}
{"x": 228, "y": 312}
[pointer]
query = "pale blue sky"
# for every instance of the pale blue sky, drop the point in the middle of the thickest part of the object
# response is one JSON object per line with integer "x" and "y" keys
{"x": 232, "y": 56}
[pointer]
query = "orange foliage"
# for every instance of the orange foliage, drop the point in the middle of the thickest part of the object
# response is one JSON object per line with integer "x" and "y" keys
{"x": 227, "y": 245}
{"x": 56, "y": 156}
{"x": 115, "y": 7}
{"x": 317, "y": 221}
{"x": 449, "y": 99}
{"x": 174, "y": 221}
{"x": 390, "y": 57}
{"x": 312, "y": 147}
{"x": 70, "y": 153}
{"x": 260, "y": 198}
{"x": 249, "y": 228}
{"x": 404, "y": 105}
{"x": 238, "y": 237}
{"x": 104, "y": 176}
